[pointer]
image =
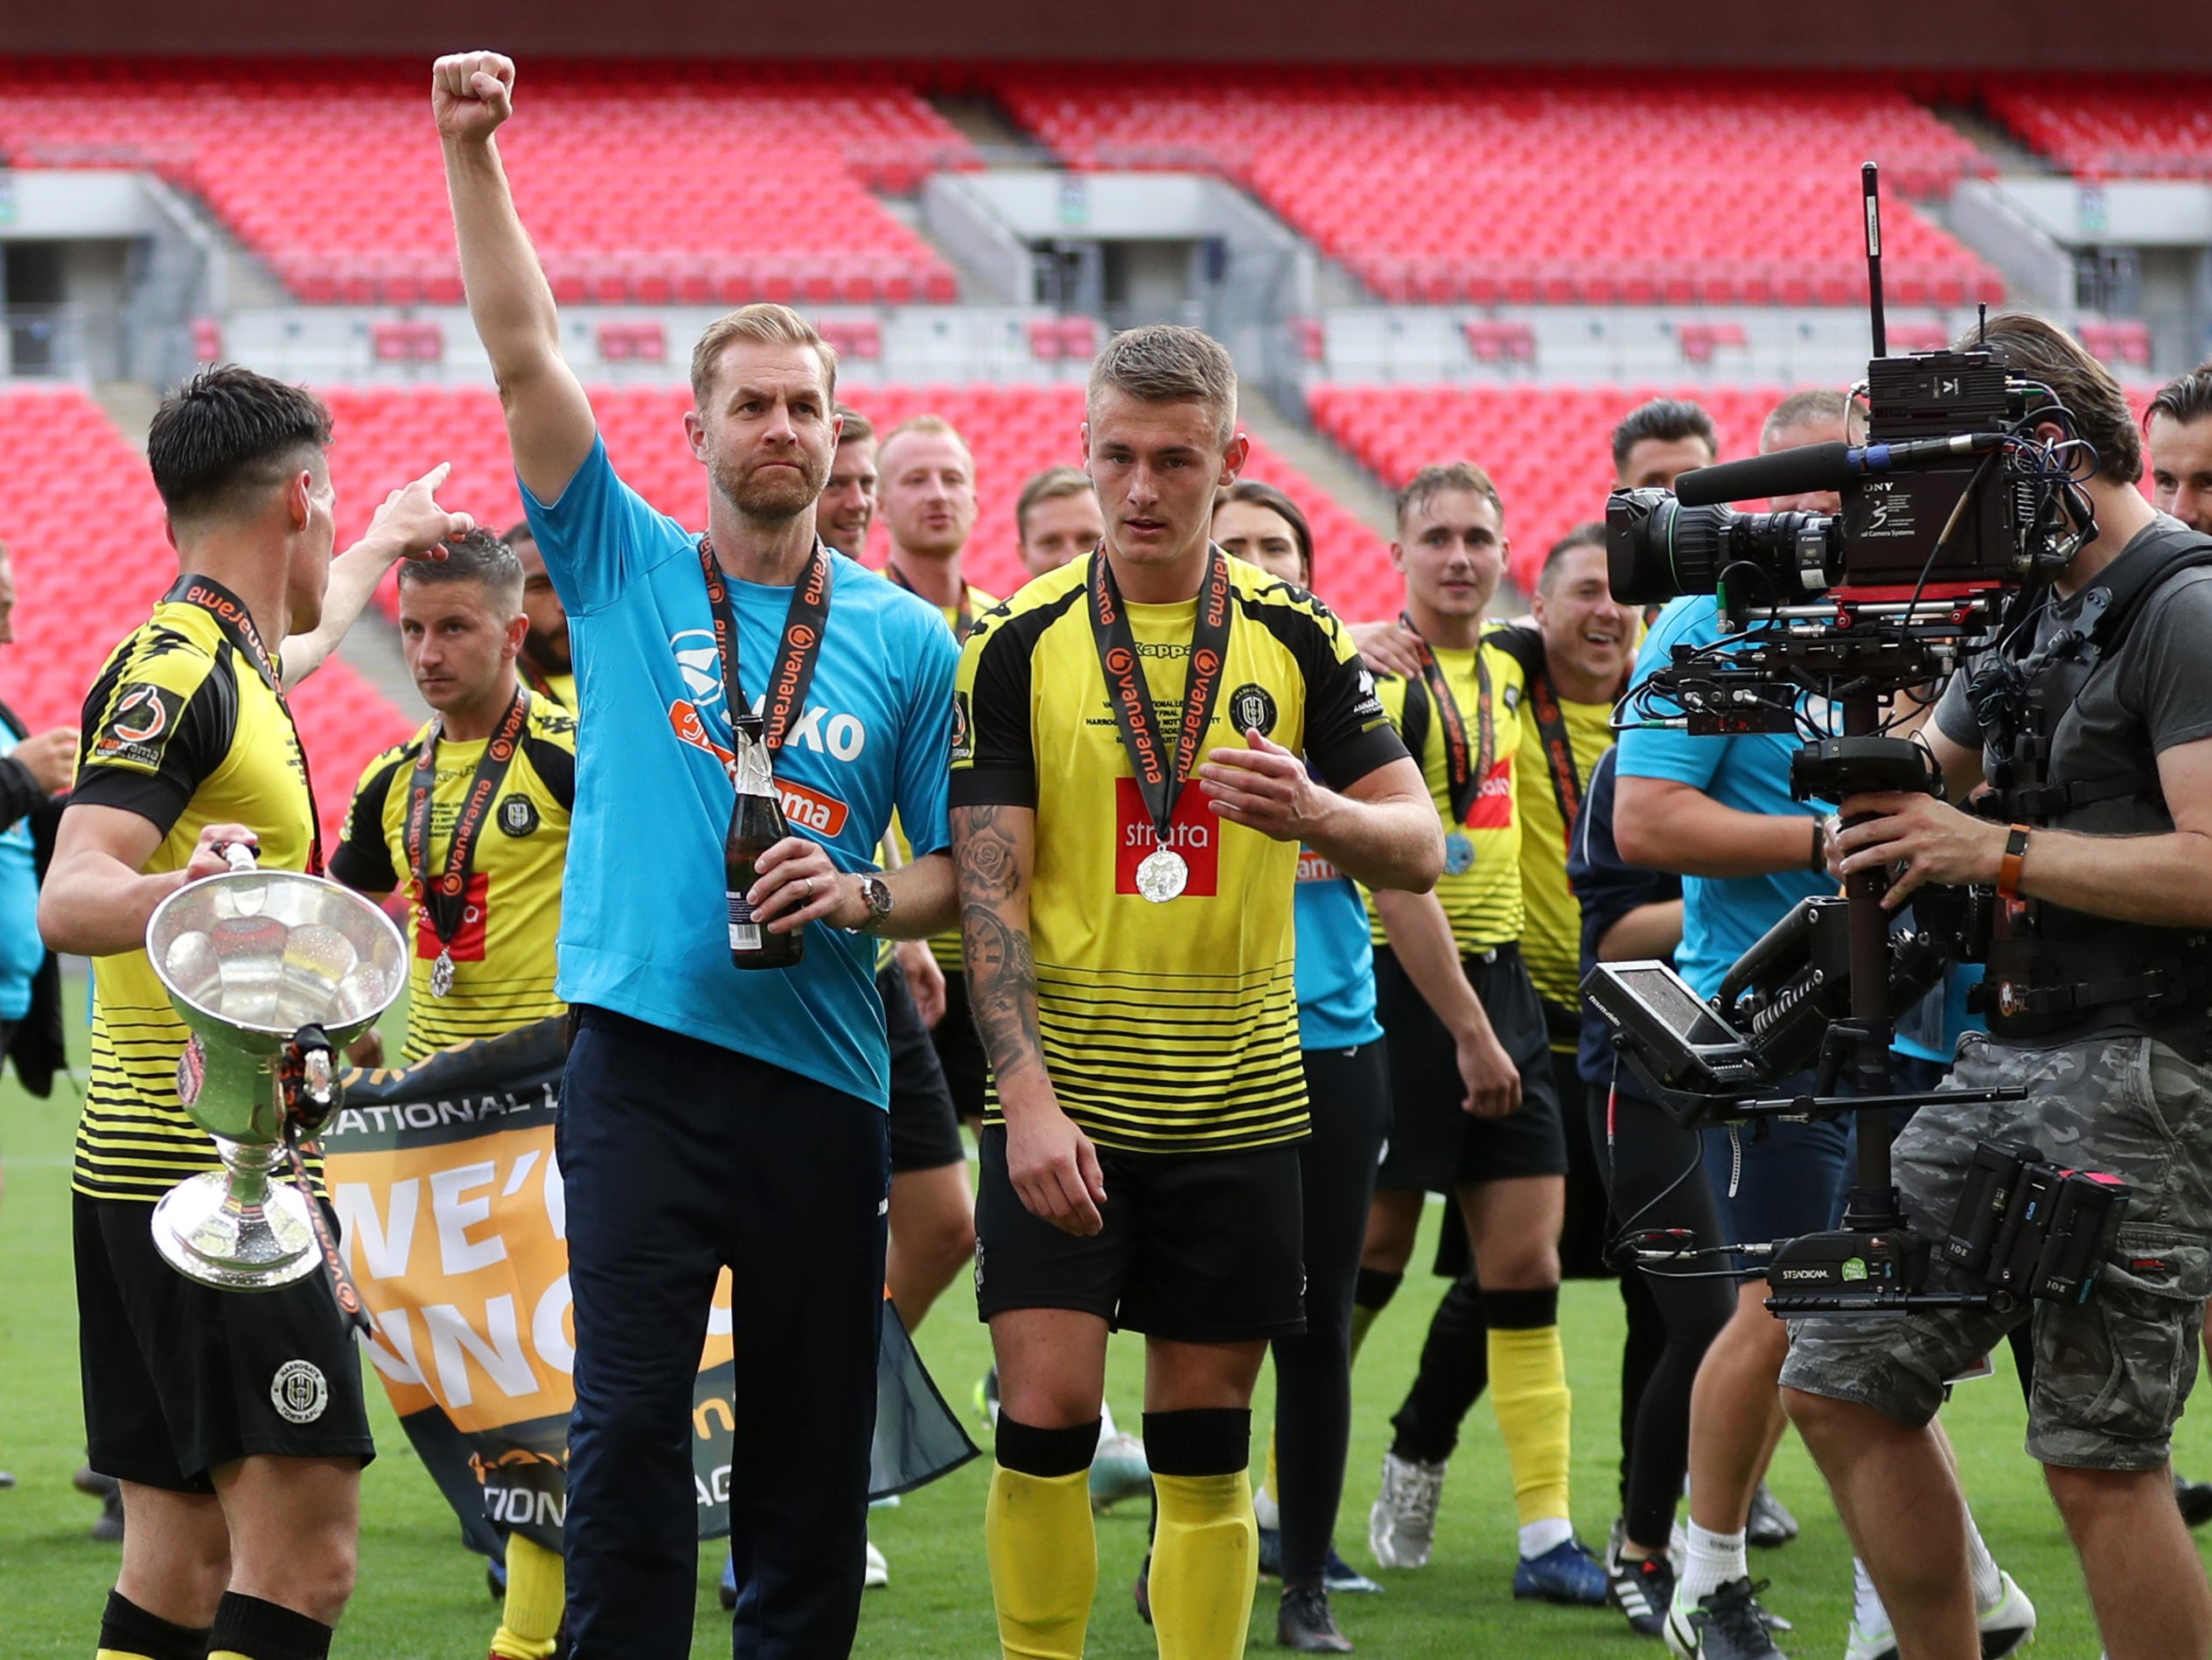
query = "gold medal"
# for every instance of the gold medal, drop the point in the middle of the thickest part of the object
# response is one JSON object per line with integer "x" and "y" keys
{"x": 442, "y": 974}
{"x": 1163, "y": 875}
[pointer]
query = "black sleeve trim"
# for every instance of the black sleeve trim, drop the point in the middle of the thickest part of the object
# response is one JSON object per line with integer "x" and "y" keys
{"x": 556, "y": 767}
{"x": 363, "y": 860}
{"x": 993, "y": 786}
{"x": 1348, "y": 762}
{"x": 1521, "y": 643}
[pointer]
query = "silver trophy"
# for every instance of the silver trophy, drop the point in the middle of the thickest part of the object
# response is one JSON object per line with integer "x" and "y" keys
{"x": 271, "y": 970}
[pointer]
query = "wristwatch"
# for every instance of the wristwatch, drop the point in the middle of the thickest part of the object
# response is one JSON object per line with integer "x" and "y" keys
{"x": 877, "y": 894}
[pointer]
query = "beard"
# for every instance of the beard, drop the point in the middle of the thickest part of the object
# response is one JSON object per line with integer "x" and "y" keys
{"x": 777, "y": 497}
{"x": 549, "y": 651}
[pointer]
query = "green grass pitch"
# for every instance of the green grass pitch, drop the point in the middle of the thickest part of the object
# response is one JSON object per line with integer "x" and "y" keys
{"x": 422, "y": 1597}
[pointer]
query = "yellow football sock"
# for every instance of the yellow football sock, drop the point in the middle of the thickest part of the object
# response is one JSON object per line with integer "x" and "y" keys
{"x": 1535, "y": 1416}
{"x": 1205, "y": 1560}
{"x": 537, "y": 1590}
{"x": 119, "y": 1654}
{"x": 1273, "y": 1482}
{"x": 1045, "y": 1562}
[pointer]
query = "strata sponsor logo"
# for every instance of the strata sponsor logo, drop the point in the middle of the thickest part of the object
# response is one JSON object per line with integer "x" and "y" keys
{"x": 1194, "y": 832}
{"x": 467, "y": 944}
{"x": 1492, "y": 808}
{"x": 299, "y": 1392}
{"x": 138, "y": 727}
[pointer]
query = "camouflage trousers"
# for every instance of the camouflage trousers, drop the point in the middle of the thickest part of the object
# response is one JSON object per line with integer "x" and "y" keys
{"x": 2111, "y": 1374}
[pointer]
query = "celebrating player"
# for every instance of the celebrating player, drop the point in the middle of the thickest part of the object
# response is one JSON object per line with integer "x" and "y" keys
{"x": 712, "y": 1116}
{"x": 1129, "y": 953}
{"x": 234, "y": 1423}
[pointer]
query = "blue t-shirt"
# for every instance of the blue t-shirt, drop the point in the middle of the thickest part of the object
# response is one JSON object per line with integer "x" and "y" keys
{"x": 1336, "y": 963}
{"x": 643, "y": 921}
{"x": 1722, "y": 917}
{"x": 21, "y": 950}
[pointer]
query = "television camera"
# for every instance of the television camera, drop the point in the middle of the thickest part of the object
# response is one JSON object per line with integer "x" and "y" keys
{"x": 1959, "y": 507}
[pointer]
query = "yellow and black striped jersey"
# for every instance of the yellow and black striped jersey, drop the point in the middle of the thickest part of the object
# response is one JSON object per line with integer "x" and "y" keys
{"x": 945, "y": 947}
{"x": 1551, "y": 932}
{"x": 1481, "y": 887}
{"x": 562, "y": 688}
{"x": 503, "y": 952}
{"x": 1174, "y": 1027}
{"x": 181, "y": 728}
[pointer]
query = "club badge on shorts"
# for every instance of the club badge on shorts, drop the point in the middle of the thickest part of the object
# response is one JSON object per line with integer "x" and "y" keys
{"x": 1459, "y": 854}
{"x": 442, "y": 974}
{"x": 1163, "y": 875}
{"x": 298, "y": 1392}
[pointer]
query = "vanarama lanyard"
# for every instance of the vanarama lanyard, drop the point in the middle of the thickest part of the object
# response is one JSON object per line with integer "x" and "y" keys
{"x": 536, "y": 679}
{"x": 804, "y": 624}
{"x": 237, "y": 624}
{"x": 963, "y": 618}
{"x": 1160, "y": 777}
{"x": 1559, "y": 749}
{"x": 1465, "y": 780}
{"x": 445, "y": 898}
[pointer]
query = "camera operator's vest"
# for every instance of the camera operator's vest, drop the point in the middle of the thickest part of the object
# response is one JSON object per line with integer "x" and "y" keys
{"x": 2053, "y": 969}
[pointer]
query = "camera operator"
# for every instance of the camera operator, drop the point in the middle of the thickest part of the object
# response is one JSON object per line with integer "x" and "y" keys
{"x": 1719, "y": 813}
{"x": 2099, "y": 1013}
{"x": 2179, "y": 424}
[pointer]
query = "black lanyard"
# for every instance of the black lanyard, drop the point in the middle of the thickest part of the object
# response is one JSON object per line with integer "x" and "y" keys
{"x": 537, "y": 679}
{"x": 1159, "y": 778}
{"x": 445, "y": 899}
{"x": 804, "y": 625}
{"x": 1559, "y": 749}
{"x": 237, "y": 624}
{"x": 1465, "y": 781}
{"x": 963, "y": 618}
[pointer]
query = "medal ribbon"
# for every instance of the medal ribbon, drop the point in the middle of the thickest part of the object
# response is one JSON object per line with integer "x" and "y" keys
{"x": 535, "y": 678}
{"x": 1559, "y": 750}
{"x": 1160, "y": 777}
{"x": 963, "y": 618}
{"x": 804, "y": 624}
{"x": 445, "y": 900}
{"x": 1465, "y": 781}
{"x": 237, "y": 624}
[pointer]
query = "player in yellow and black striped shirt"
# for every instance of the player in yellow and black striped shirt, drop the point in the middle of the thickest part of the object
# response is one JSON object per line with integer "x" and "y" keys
{"x": 461, "y": 625}
{"x": 1475, "y": 1109}
{"x": 188, "y": 744}
{"x": 1129, "y": 794}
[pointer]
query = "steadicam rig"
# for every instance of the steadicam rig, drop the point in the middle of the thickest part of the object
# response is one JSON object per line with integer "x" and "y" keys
{"x": 1965, "y": 495}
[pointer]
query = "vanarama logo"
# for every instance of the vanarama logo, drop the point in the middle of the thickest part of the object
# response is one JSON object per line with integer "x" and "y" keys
{"x": 139, "y": 725}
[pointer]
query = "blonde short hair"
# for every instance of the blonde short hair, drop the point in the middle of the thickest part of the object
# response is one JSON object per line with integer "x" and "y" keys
{"x": 1165, "y": 363}
{"x": 935, "y": 426}
{"x": 765, "y": 324}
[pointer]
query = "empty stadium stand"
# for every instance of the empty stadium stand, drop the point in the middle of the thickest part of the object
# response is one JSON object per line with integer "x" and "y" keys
{"x": 78, "y": 512}
{"x": 2109, "y": 126}
{"x": 639, "y": 181}
{"x": 386, "y": 433}
{"x": 1546, "y": 187}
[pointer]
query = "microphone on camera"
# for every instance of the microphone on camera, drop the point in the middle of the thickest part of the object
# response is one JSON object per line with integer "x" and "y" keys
{"x": 1820, "y": 466}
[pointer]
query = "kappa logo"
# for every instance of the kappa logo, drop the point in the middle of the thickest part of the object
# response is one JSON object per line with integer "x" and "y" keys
{"x": 299, "y": 1392}
{"x": 518, "y": 815}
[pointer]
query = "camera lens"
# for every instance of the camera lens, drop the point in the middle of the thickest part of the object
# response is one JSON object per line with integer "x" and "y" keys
{"x": 1656, "y": 548}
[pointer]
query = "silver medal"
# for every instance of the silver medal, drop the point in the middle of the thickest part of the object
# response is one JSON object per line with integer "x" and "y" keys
{"x": 442, "y": 974}
{"x": 1459, "y": 854}
{"x": 1163, "y": 875}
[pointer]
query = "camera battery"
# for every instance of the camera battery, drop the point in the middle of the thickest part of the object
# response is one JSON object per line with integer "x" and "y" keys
{"x": 1985, "y": 1198}
{"x": 2084, "y": 1212}
{"x": 2021, "y": 1235}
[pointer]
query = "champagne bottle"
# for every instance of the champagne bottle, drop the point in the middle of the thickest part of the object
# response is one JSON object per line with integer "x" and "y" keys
{"x": 756, "y": 825}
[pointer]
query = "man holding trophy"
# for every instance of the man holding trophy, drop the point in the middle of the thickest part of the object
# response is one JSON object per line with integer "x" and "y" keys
{"x": 234, "y": 1421}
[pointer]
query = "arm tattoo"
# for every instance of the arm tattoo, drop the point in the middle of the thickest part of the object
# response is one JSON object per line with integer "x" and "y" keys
{"x": 1002, "y": 972}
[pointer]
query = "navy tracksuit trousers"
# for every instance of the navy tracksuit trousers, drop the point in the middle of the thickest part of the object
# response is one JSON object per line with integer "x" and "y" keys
{"x": 680, "y": 1157}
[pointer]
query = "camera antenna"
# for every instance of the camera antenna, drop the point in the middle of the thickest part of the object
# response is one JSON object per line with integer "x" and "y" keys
{"x": 1869, "y": 177}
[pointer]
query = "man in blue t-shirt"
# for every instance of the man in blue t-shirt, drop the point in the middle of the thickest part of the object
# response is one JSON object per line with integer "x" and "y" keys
{"x": 1718, "y": 812}
{"x": 712, "y": 1116}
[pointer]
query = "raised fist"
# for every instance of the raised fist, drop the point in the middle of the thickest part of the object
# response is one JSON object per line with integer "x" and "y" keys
{"x": 472, "y": 93}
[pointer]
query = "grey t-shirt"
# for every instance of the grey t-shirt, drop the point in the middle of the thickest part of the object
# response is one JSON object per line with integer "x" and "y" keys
{"x": 2153, "y": 695}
